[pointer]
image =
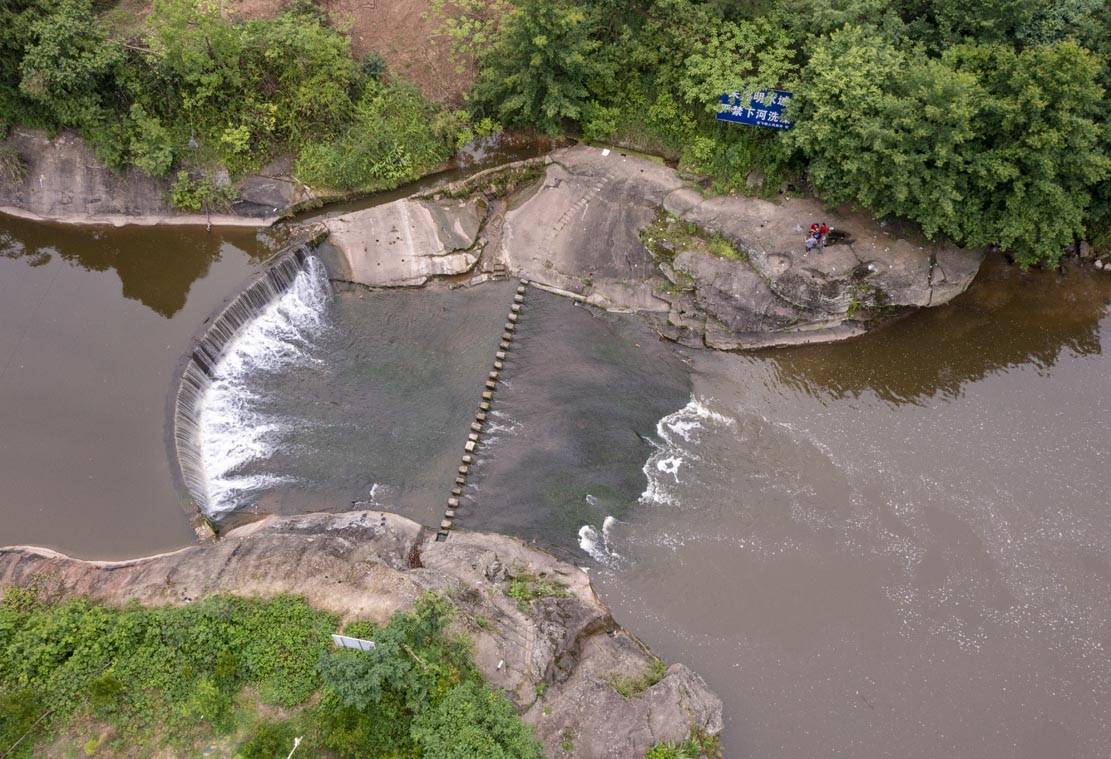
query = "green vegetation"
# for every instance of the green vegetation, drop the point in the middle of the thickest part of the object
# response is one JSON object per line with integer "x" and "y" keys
{"x": 983, "y": 121}
{"x": 526, "y": 588}
{"x": 181, "y": 677}
{"x": 188, "y": 90}
{"x": 668, "y": 235}
{"x": 697, "y": 746}
{"x": 630, "y": 687}
{"x": 12, "y": 167}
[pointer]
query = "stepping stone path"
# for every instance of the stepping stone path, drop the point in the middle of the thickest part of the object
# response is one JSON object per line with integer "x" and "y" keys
{"x": 490, "y": 387}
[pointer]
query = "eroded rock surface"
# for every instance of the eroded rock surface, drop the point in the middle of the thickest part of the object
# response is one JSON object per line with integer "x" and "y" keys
{"x": 404, "y": 243}
{"x": 565, "y": 648}
{"x": 574, "y": 222}
{"x": 580, "y": 232}
{"x": 62, "y": 180}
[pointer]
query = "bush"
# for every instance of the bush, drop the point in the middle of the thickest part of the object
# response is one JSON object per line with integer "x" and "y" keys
{"x": 417, "y": 694}
{"x": 396, "y": 136}
{"x": 268, "y": 740}
{"x": 12, "y": 166}
{"x": 198, "y": 193}
{"x": 175, "y": 671}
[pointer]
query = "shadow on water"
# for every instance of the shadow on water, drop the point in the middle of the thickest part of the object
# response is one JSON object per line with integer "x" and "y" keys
{"x": 1008, "y": 318}
{"x": 156, "y": 266}
{"x": 93, "y": 322}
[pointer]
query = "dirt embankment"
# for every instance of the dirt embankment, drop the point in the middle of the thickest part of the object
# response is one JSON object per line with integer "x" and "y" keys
{"x": 554, "y": 648}
{"x": 403, "y": 32}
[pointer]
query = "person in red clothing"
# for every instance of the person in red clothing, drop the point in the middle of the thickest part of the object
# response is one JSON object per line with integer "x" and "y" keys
{"x": 812, "y": 238}
{"x": 823, "y": 233}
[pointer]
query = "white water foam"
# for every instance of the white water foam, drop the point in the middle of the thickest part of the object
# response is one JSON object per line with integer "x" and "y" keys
{"x": 231, "y": 431}
{"x": 678, "y": 435}
{"x": 596, "y": 543}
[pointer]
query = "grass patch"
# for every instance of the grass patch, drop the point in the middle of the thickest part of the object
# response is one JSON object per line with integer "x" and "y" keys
{"x": 667, "y": 236}
{"x": 525, "y": 588}
{"x": 630, "y": 687}
{"x": 698, "y": 746}
{"x": 12, "y": 166}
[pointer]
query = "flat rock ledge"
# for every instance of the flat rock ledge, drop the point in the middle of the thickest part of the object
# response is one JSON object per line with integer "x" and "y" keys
{"x": 574, "y": 225}
{"x": 557, "y": 658}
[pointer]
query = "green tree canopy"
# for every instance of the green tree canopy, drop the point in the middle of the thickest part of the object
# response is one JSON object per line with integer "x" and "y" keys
{"x": 545, "y": 67}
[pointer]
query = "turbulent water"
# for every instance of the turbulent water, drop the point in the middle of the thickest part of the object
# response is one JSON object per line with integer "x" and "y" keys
{"x": 357, "y": 399}
{"x": 899, "y": 541}
{"x": 235, "y": 428}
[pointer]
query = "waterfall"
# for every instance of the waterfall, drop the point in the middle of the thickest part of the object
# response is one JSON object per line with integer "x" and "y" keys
{"x": 262, "y": 321}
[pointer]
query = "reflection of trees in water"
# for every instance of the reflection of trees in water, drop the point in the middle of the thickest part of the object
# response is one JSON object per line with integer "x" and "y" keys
{"x": 156, "y": 265}
{"x": 1007, "y": 319}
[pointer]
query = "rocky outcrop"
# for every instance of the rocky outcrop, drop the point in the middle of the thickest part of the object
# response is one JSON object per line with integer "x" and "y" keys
{"x": 59, "y": 179}
{"x": 577, "y": 228}
{"x": 403, "y": 244}
{"x": 581, "y": 232}
{"x": 557, "y": 656}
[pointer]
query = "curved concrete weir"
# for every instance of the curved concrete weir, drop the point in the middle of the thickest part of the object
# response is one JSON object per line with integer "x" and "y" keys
{"x": 212, "y": 346}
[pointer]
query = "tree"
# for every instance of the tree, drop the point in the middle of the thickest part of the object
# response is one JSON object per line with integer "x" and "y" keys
{"x": 888, "y": 130}
{"x": 69, "y": 65}
{"x": 545, "y": 67}
{"x": 988, "y": 145}
{"x": 1037, "y": 156}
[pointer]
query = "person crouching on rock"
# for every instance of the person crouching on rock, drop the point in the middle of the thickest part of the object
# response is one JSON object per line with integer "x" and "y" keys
{"x": 812, "y": 238}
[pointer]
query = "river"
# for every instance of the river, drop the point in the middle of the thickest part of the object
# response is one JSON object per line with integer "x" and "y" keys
{"x": 92, "y": 325}
{"x": 900, "y": 544}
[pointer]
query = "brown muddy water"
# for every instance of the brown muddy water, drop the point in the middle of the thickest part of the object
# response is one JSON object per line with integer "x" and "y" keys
{"x": 895, "y": 546}
{"x": 92, "y": 324}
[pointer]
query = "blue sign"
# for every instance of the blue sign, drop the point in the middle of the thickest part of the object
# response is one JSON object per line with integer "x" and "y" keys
{"x": 764, "y": 108}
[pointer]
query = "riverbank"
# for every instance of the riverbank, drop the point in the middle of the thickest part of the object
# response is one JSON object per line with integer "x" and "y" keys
{"x": 629, "y": 234}
{"x": 539, "y": 631}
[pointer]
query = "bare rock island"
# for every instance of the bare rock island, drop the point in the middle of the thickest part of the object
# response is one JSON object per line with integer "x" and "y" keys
{"x": 557, "y": 657}
{"x": 630, "y": 234}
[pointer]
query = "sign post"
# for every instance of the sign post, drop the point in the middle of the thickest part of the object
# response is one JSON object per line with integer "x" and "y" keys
{"x": 763, "y": 108}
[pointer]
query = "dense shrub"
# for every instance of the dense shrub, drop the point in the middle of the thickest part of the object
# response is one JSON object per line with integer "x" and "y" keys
{"x": 187, "y": 89}
{"x": 395, "y": 136}
{"x": 177, "y": 675}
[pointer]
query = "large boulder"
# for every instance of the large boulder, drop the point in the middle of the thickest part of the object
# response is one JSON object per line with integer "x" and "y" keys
{"x": 558, "y": 657}
{"x": 407, "y": 242}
